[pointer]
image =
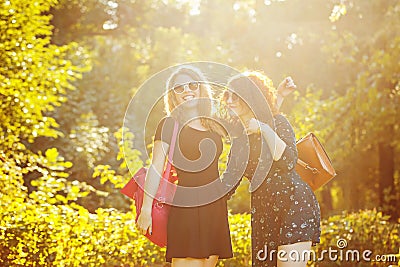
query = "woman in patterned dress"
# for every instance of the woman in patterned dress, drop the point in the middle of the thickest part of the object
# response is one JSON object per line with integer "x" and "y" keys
{"x": 285, "y": 213}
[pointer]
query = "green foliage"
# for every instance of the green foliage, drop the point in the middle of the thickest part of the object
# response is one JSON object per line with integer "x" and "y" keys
{"x": 240, "y": 229}
{"x": 130, "y": 157}
{"x": 34, "y": 74}
{"x": 240, "y": 201}
{"x": 34, "y": 78}
{"x": 363, "y": 230}
{"x": 89, "y": 139}
{"x": 68, "y": 235}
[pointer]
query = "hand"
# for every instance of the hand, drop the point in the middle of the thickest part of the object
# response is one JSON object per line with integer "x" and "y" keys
{"x": 144, "y": 222}
{"x": 253, "y": 126}
{"x": 286, "y": 87}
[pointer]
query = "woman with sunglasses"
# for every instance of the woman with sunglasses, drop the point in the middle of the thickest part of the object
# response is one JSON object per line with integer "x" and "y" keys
{"x": 198, "y": 234}
{"x": 285, "y": 214}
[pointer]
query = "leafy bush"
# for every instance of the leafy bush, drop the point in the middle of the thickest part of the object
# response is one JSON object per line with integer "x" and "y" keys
{"x": 68, "y": 235}
{"x": 362, "y": 231}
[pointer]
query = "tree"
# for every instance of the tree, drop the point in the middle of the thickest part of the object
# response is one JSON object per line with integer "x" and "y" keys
{"x": 35, "y": 77}
{"x": 363, "y": 49}
{"x": 373, "y": 93}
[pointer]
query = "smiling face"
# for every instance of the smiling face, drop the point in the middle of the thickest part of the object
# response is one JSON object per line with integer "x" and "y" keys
{"x": 235, "y": 104}
{"x": 186, "y": 91}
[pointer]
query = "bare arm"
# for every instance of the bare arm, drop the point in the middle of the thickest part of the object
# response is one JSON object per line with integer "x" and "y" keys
{"x": 152, "y": 182}
{"x": 275, "y": 143}
{"x": 279, "y": 101}
{"x": 285, "y": 88}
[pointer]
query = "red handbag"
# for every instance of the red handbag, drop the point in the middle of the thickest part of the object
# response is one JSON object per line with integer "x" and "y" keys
{"x": 160, "y": 209}
{"x": 313, "y": 164}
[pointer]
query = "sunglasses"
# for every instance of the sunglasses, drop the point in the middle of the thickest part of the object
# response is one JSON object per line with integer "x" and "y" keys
{"x": 191, "y": 87}
{"x": 227, "y": 94}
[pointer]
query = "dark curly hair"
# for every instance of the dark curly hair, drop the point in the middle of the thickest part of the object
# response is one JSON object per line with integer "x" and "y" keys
{"x": 246, "y": 82}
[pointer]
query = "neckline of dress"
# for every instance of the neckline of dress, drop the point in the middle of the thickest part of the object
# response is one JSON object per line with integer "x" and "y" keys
{"x": 196, "y": 129}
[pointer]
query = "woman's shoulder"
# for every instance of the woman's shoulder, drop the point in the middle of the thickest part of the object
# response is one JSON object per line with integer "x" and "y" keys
{"x": 166, "y": 118}
{"x": 165, "y": 127}
{"x": 166, "y": 121}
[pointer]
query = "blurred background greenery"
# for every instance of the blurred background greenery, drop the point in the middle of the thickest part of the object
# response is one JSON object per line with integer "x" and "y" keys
{"x": 69, "y": 68}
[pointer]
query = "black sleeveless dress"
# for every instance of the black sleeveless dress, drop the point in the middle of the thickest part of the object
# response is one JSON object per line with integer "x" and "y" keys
{"x": 200, "y": 231}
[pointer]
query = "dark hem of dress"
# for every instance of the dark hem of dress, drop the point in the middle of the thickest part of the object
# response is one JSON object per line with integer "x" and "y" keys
{"x": 197, "y": 257}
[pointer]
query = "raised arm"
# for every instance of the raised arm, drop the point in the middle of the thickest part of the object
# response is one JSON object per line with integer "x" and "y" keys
{"x": 285, "y": 88}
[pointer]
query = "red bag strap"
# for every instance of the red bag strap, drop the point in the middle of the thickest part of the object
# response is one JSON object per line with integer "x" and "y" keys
{"x": 171, "y": 150}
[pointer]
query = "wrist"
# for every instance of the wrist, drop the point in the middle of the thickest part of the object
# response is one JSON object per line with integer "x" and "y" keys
{"x": 146, "y": 208}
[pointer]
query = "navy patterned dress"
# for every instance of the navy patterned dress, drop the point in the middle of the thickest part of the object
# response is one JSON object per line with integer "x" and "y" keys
{"x": 284, "y": 209}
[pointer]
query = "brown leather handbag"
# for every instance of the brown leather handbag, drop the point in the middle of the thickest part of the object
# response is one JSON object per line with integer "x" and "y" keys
{"x": 313, "y": 164}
